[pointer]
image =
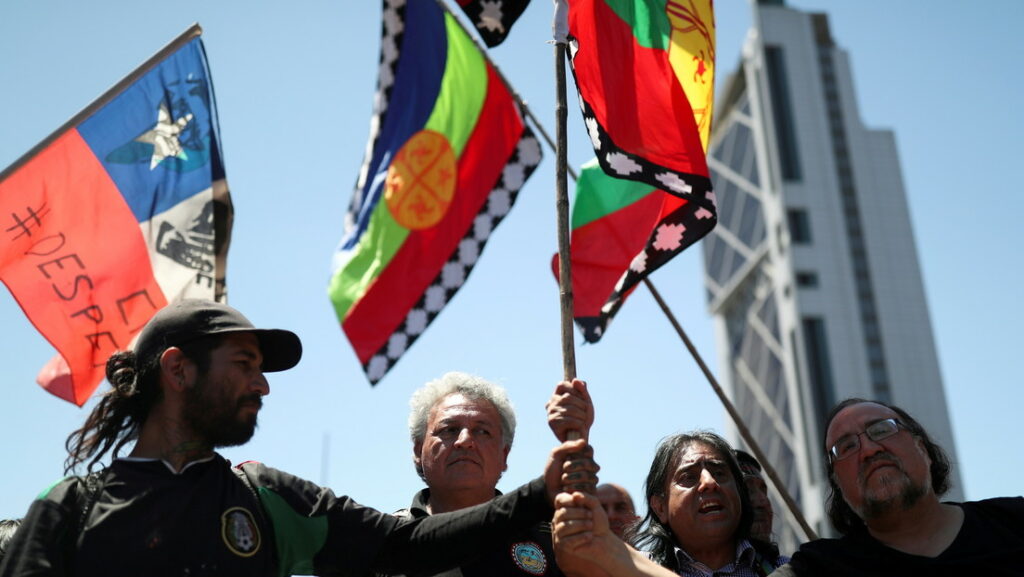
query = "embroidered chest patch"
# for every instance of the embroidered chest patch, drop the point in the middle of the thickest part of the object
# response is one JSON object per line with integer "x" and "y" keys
{"x": 530, "y": 558}
{"x": 240, "y": 533}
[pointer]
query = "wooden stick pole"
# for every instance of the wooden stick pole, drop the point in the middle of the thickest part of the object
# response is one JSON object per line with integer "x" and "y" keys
{"x": 562, "y": 205}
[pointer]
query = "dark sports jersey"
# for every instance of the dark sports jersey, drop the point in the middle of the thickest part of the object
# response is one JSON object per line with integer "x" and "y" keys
{"x": 519, "y": 553}
{"x": 990, "y": 542}
{"x": 208, "y": 520}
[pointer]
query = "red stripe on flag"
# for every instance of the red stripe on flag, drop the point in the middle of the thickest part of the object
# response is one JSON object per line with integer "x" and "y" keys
{"x": 75, "y": 260}
{"x": 633, "y": 91}
{"x": 373, "y": 319}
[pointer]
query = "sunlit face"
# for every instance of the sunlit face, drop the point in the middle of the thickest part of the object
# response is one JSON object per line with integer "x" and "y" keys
{"x": 702, "y": 501}
{"x": 761, "y": 505}
{"x": 618, "y": 506}
{"x": 883, "y": 476}
{"x": 464, "y": 448}
{"x": 222, "y": 405}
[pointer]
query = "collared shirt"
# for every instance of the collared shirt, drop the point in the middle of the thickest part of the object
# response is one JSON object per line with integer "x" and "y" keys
{"x": 747, "y": 563}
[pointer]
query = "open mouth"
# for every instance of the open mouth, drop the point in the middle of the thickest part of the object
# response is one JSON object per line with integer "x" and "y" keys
{"x": 709, "y": 507}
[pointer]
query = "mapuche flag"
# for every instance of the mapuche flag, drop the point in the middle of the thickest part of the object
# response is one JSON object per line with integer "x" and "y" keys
{"x": 644, "y": 71}
{"x": 447, "y": 155}
{"x": 120, "y": 211}
{"x": 622, "y": 231}
{"x": 493, "y": 18}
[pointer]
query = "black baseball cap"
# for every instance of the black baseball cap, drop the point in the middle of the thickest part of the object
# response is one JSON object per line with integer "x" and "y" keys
{"x": 187, "y": 320}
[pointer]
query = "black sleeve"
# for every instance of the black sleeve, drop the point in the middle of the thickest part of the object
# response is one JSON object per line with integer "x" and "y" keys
{"x": 437, "y": 542}
{"x": 323, "y": 534}
{"x": 42, "y": 544}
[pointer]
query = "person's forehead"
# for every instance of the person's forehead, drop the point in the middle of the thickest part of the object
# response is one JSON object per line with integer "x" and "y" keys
{"x": 458, "y": 405}
{"x": 698, "y": 452}
{"x": 854, "y": 418}
{"x": 610, "y": 494}
{"x": 235, "y": 342}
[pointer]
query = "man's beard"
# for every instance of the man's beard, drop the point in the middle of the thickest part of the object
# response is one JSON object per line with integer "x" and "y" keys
{"x": 907, "y": 496}
{"x": 214, "y": 417}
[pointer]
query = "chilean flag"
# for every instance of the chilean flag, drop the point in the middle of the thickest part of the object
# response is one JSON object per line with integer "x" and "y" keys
{"x": 120, "y": 211}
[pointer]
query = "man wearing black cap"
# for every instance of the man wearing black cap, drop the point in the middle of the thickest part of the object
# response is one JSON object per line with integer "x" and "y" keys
{"x": 195, "y": 382}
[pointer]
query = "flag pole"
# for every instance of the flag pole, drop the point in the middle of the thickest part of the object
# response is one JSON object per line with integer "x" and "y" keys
{"x": 562, "y": 194}
{"x": 193, "y": 31}
{"x": 737, "y": 419}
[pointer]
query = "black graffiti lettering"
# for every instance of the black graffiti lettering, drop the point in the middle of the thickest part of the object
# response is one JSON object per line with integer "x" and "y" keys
{"x": 33, "y": 218}
{"x": 92, "y": 312}
{"x": 60, "y": 265}
{"x": 135, "y": 295}
{"x": 205, "y": 280}
{"x": 78, "y": 279}
{"x": 32, "y": 251}
{"x": 94, "y": 340}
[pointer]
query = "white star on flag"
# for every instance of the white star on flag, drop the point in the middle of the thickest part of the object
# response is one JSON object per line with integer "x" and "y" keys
{"x": 164, "y": 136}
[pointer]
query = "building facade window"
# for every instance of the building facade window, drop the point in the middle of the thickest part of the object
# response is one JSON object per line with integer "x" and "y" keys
{"x": 782, "y": 113}
{"x": 806, "y": 279}
{"x": 799, "y": 226}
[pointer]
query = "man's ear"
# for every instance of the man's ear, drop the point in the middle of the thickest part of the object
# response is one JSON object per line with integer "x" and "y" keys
{"x": 657, "y": 505}
{"x": 416, "y": 448}
{"x": 176, "y": 369}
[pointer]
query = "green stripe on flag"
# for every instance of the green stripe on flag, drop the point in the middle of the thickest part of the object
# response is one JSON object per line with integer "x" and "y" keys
{"x": 463, "y": 89}
{"x": 598, "y": 195}
{"x": 647, "y": 18}
{"x": 380, "y": 242}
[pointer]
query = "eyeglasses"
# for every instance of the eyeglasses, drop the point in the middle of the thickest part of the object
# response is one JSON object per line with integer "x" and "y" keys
{"x": 847, "y": 445}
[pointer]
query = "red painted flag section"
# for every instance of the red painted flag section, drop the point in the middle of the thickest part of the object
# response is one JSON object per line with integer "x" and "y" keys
{"x": 54, "y": 266}
{"x": 115, "y": 215}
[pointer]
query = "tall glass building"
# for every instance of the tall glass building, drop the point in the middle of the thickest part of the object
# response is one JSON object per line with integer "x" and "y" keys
{"x": 812, "y": 274}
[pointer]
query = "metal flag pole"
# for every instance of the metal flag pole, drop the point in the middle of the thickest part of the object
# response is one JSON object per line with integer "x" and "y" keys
{"x": 193, "y": 31}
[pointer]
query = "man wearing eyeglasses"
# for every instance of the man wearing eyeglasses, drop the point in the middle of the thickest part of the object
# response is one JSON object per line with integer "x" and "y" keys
{"x": 886, "y": 476}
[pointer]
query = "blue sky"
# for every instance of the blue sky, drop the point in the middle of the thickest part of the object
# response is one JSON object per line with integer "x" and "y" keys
{"x": 294, "y": 86}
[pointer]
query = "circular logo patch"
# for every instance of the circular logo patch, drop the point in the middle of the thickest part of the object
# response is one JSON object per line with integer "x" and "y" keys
{"x": 240, "y": 533}
{"x": 421, "y": 180}
{"x": 530, "y": 558}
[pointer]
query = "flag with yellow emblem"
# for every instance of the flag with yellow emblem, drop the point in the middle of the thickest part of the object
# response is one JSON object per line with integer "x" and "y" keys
{"x": 644, "y": 71}
{"x": 645, "y": 74}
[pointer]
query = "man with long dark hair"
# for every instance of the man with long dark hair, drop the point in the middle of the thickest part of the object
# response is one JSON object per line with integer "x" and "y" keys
{"x": 886, "y": 477}
{"x": 698, "y": 520}
{"x": 195, "y": 382}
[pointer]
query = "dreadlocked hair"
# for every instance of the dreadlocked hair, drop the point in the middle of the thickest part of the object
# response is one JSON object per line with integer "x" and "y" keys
{"x": 121, "y": 412}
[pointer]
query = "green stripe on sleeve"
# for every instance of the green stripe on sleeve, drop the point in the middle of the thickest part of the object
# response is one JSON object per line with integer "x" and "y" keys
{"x": 298, "y": 537}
